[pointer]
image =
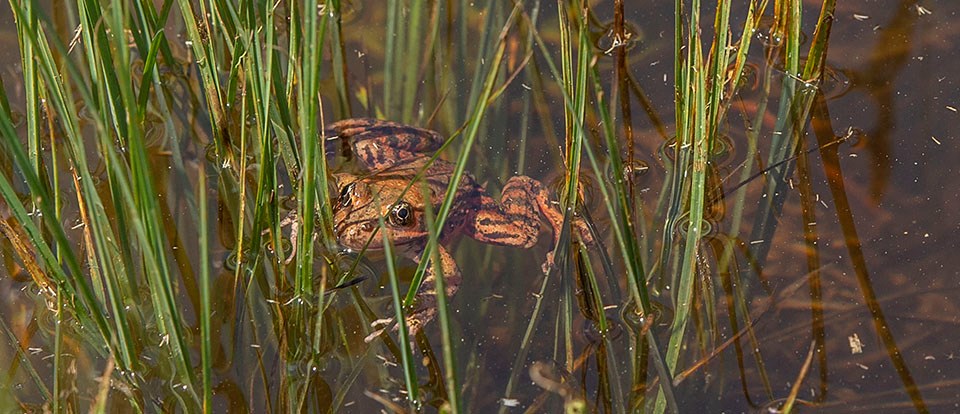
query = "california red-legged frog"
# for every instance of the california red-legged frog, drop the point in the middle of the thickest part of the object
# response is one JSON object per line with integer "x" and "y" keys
{"x": 391, "y": 156}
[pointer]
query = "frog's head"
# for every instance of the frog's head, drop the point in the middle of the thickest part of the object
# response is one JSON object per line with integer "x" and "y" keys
{"x": 362, "y": 201}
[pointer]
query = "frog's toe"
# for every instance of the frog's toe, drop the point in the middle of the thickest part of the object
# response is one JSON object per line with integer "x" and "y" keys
{"x": 585, "y": 235}
{"x": 292, "y": 255}
{"x": 380, "y": 325}
{"x": 418, "y": 319}
{"x": 415, "y": 322}
{"x": 547, "y": 264}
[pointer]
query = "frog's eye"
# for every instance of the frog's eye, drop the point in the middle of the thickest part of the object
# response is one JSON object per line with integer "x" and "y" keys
{"x": 344, "y": 199}
{"x": 402, "y": 214}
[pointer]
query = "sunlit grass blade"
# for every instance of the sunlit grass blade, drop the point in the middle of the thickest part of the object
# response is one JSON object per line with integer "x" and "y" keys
{"x": 149, "y": 65}
{"x": 76, "y": 285}
{"x": 469, "y": 137}
{"x": 406, "y": 352}
{"x": 206, "y": 307}
{"x": 254, "y": 68}
{"x": 24, "y": 361}
{"x": 312, "y": 189}
{"x": 443, "y": 316}
{"x": 30, "y": 88}
{"x": 198, "y": 31}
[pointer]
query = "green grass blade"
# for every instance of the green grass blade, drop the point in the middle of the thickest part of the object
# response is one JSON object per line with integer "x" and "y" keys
{"x": 469, "y": 138}
{"x": 455, "y": 405}
{"x": 206, "y": 307}
{"x": 406, "y": 351}
{"x": 199, "y": 31}
{"x": 24, "y": 361}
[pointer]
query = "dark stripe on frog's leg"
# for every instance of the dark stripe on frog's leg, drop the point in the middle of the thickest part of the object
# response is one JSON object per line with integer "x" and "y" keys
{"x": 387, "y": 145}
{"x": 550, "y": 210}
{"x": 495, "y": 225}
{"x": 516, "y": 219}
{"x": 425, "y": 302}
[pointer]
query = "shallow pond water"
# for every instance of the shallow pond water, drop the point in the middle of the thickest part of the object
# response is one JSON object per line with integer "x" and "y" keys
{"x": 854, "y": 266}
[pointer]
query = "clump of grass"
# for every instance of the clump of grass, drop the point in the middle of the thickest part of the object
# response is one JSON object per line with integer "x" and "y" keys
{"x": 122, "y": 282}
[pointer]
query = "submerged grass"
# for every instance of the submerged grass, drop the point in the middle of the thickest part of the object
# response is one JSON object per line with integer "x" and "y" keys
{"x": 280, "y": 336}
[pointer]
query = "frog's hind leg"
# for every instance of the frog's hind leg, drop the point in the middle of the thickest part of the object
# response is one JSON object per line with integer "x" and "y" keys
{"x": 516, "y": 219}
{"x": 380, "y": 144}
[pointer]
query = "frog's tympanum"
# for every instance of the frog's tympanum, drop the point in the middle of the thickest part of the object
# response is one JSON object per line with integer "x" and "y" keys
{"x": 391, "y": 156}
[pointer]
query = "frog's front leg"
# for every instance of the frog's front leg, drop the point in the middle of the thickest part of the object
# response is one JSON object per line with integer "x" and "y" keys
{"x": 380, "y": 144}
{"x": 515, "y": 220}
{"x": 424, "y": 307}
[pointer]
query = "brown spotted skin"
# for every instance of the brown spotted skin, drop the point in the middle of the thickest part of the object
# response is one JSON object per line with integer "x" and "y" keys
{"x": 381, "y": 144}
{"x": 391, "y": 155}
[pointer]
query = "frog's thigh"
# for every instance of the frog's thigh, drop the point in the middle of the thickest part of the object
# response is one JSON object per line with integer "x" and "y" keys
{"x": 383, "y": 143}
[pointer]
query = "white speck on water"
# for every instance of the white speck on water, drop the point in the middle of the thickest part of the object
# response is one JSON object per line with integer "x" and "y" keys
{"x": 510, "y": 402}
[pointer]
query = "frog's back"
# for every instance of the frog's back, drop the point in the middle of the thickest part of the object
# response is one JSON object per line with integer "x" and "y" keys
{"x": 437, "y": 175}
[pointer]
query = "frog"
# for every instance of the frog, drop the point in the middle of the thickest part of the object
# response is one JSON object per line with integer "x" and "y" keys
{"x": 399, "y": 179}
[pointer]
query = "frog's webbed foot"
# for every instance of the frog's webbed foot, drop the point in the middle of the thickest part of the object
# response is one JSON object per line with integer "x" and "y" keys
{"x": 419, "y": 318}
{"x": 289, "y": 220}
{"x": 548, "y": 263}
{"x": 586, "y": 237}
{"x": 416, "y": 320}
{"x": 380, "y": 326}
